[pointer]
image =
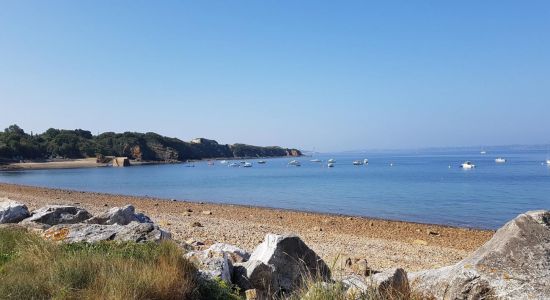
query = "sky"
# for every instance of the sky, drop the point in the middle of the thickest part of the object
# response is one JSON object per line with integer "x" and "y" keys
{"x": 323, "y": 75}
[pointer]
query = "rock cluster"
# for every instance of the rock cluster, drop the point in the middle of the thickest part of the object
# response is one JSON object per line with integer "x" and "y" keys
{"x": 514, "y": 264}
{"x": 75, "y": 224}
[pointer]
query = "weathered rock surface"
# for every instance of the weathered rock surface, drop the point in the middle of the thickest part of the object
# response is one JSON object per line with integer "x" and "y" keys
{"x": 514, "y": 264}
{"x": 235, "y": 254}
{"x": 120, "y": 215}
{"x": 255, "y": 274}
{"x": 391, "y": 284}
{"x": 12, "y": 212}
{"x": 135, "y": 232}
{"x": 59, "y": 214}
{"x": 212, "y": 264}
{"x": 279, "y": 262}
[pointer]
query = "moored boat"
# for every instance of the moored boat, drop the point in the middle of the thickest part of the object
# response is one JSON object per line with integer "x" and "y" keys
{"x": 247, "y": 165}
{"x": 357, "y": 163}
{"x": 315, "y": 160}
{"x": 330, "y": 165}
{"x": 331, "y": 161}
{"x": 500, "y": 160}
{"x": 365, "y": 161}
{"x": 261, "y": 162}
{"x": 467, "y": 165}
{"x": 294, "y": 163}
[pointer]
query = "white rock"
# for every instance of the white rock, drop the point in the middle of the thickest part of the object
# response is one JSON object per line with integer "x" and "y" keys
{"x": 12, "y": 212}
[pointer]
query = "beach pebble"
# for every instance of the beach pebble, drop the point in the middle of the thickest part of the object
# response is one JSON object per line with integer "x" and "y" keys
{"x": 433, "y": 233}
{"x": 206, "y": 212}
{"x": 189, "y": 210}
{"x": 196, "y": 224}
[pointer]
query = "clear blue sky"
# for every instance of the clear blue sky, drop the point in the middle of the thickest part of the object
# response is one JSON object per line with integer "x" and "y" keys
{"x": 337, "y": 75}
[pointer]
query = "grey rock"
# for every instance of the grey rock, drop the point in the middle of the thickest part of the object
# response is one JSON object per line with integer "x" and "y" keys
{"x": 59, "y": 214}
{"x": 355, "y": 284}
{"x": 235, "y": 254}
{"x": 255, "y": 274}
{"x": 286, "y": 258}
{"x": 121, "y": 216}
{"x": 91, "y": 233}
{"x": 212, "y": 264}
{"x": 12, "y": 212}
{"x": 142, "y": 232}
{"x": 391, "y": 284}
{"x": 514, "y": 264}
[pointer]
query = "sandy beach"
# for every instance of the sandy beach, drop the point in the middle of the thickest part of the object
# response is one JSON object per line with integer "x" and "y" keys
{"x": 383, "y": 243}
{"x": 66, "y": 164}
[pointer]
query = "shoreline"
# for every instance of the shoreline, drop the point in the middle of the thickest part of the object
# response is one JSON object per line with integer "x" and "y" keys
{"x": 90, "y": 162}
{"x": 384, "y": 243}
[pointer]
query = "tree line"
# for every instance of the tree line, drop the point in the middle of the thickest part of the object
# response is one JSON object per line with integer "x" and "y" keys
{"x": 16, "y": 144}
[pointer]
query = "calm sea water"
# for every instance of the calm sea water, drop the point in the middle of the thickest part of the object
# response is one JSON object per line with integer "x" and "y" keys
{"x": 419, "y": 187}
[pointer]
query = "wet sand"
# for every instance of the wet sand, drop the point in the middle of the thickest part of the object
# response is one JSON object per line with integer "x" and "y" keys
{"x": 383, "y": 243}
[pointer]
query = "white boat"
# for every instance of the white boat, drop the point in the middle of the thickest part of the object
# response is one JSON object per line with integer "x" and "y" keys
{"x": 247, "y": 165}
{"x": 365, "y": 161}
{"x": 234, "y": 165}
{"x": 357, "y": 163}
{"x": 315, "y": 160}
{"x": 548, "y": 162}
{"x": 330, "y": 165}
{"x": 500, "y": 160}
{"x": 467, "y": 165}
{"x": 223, "y": 162}
{"x": 483, "y": 152}
{"x": 294, "y": 163}
{"x": 331, "y": 161}
{"x": 261, "y": 162}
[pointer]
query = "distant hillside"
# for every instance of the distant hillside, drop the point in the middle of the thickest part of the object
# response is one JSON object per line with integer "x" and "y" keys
{"x": 16, "y": 144}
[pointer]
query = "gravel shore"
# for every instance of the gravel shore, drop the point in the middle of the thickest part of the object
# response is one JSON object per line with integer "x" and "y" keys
{"x": 383, "y": 243}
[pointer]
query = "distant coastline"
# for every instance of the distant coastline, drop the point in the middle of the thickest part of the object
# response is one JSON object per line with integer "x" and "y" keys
{"x": 57, "y": 147}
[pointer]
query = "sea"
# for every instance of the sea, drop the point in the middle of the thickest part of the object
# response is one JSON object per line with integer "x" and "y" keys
{"x": 418, "y": 186}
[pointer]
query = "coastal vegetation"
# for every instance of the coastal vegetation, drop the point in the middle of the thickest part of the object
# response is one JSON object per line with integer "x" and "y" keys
{"x": 16, "y": 144}
{"x": 34, "y": 268}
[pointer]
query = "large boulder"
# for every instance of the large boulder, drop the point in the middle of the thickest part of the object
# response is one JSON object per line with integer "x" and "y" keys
{"x": 59, "y": 214}
{"x": 280, "y": 263}
{"x": 12, "y": 212}
{"x": 514, "y": 264}
{"x": 91, "y": 233}
{"x": 119, "y": 215}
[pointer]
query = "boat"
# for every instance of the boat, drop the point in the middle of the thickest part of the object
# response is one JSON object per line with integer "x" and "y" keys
{"x": 247, "y": 165}
{"x": 331, "y": 161}
{"x": 548, "y": 162}
{"x": 261, "y": 162}
{"x": 483, "y": 152}
{"x": 365, "y": 161}
{"x": 315, "y": 160}
{"x": 467, "y": 165}
{"x": 234, "y": 165}
{"x": 210, "y": 163}
{"x": 223, "y": 162}
{"x": 330, "y": 165}
{"x": 357, "y": 163}
{"x": 294, "y": 163}
{"x": 500, "y": 160}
